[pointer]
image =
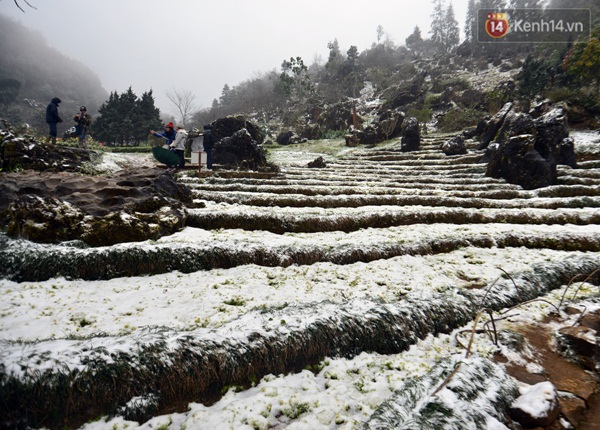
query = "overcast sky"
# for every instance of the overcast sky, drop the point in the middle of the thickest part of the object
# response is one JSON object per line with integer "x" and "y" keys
{"x": 201, "y": 45}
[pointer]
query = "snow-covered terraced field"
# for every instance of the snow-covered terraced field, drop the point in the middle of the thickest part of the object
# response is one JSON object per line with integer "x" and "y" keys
{"x": 300, "y": 300}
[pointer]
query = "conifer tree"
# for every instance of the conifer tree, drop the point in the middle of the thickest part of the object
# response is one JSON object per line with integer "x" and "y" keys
{"x": 437, "y": 23}
{"x": 444, "y": 28}
{"x": 125, "y": 119}
{"x": 471, "y": 22}
{"x": 414, "y": 41}
{"x": 451, "y": 36}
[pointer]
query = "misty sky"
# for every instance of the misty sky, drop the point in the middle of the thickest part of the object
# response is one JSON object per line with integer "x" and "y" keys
{"x": 201, "y": 45}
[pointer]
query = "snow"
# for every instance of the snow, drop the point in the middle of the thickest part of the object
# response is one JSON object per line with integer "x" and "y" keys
{"x": 113, "y": 161}
{"x": 537, "y": 400}
{"x": 60, "y": 308}
{"x": 586, "y": 141}
{"x": 341, "y": 393}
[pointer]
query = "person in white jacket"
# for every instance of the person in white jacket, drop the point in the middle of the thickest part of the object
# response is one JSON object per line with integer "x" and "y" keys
{"x": 178, "y": 145}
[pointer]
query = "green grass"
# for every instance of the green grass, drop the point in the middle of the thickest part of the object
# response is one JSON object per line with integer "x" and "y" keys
{"x": 322, "y": 146}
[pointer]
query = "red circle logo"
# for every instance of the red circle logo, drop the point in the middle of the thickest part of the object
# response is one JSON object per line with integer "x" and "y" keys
{"x": 496, "y": 25}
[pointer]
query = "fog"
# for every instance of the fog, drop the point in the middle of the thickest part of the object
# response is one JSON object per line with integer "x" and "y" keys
{"x": 201, "y": 45}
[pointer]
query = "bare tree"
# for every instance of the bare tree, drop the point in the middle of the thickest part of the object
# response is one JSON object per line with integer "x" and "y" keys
{"x": 27, "y": 3}
{"x": 184, "y": 102}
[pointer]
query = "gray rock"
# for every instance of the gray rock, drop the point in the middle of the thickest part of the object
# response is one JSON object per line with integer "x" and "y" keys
{"x": 411, "y": 136}
{"x": 454, "y": 146}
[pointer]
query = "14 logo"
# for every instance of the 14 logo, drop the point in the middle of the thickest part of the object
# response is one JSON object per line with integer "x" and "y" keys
{"x": 496, "y": 24}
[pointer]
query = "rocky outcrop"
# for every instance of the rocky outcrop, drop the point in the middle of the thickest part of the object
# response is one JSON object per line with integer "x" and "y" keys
{"x": 551, "y": 129}
{"x": 240, "y": 151}
{"x": 566, "y": 153}
{"x": 515, "y": 124}
{"x": 367, "y": 136}
{"x": 288, "y": 138}
{"x": 517, "y": 161}
{"x": 18, "y": 153}
{"x": 491, "y": 127}
{"x": 411, "y": 136}
{"x": 405, "y": 93}
{"x": 527, "y": 151}
{"x": 308, "y": 130}
{"x": 317, "y": 163}
{"x": 134, "y": 205}
{"x": 390, "y": 123}
{"x": 228, "y": 126}
{"x": 454, "y": 146}
{"x": 339, "y": 116}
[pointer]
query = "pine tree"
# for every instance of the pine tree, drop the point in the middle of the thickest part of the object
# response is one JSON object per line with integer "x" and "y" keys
{"x": 451, "y": 36}
{"x": 471, "y": 22}
{"x": 444, "y": 28}
{"x": 125, "y": 119}
{"x": 414, "y": 41}
{"x": 437, "y": 23}
{"x": 149, "y": 116}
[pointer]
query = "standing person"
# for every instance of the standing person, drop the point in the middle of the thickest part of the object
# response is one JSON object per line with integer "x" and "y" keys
{"x": 83, "y": 121}
{"x": 168, "y": 134}
{"x": 178, "y": 145}
{"x": 52, "y": 117}
{"x": 209, "y": 142}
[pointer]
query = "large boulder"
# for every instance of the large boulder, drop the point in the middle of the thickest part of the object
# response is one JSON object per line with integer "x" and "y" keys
{"x": 551, "y": 129}
{"x": 566, "y": 153}
{"x": 411, "y": 136}
{"x": 390, "y": 123}
{"x": 240, "y": 151}
{"x": 228, "y": 126}
{"x": 133, "y": 205}
{"x": 285, "y": 137}
{"x": 454, "y": 146}
{"x": 526, "y": 150}
{"x": 517, "y": 161}
{"x": 493, "y": 125}
{"x": 289, "y": 137}
{"x": 339, "y": 116}
{"x": 367, "y": 136}
{"x": 308, "y": 130}
{"x": 406, "y": 93}
{"x": 515, "y": 124}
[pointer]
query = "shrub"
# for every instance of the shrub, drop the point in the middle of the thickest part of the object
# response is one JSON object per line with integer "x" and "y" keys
{"x": 457, "y": 84}
{"x": 422, "y": 115}
{"x": 574, "y": 96}
{"x": 129, "y": 149}
{"x": 333, "y": 134}
{"x": 456, "y": 120}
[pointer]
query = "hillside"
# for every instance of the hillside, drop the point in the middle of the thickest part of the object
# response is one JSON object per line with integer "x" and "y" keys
{"x": 32, "y": 73}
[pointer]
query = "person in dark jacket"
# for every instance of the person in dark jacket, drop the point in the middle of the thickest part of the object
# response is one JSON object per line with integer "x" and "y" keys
{"x": 83, "y": 120}
{"x": 52, "y": 118}
{"x": 169, "y": 133}
{"x": 209, "y": 142}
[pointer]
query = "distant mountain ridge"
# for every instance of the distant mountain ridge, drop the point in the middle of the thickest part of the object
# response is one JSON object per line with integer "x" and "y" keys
{"x": 32, "y": 73}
